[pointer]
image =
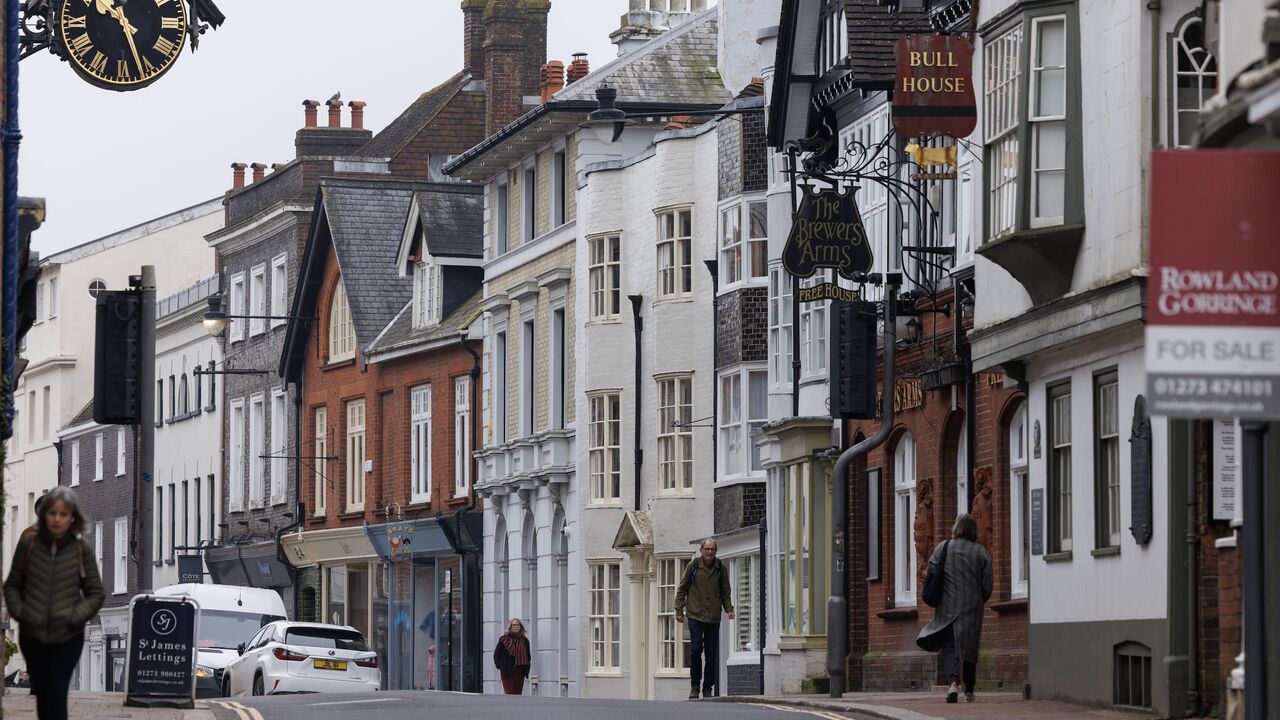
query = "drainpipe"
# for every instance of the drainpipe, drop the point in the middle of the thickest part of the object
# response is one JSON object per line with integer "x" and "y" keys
{"x": 764, "y": 580}
{"x": 639, "y": 326}
{"x": 713, "y": 267}
{"x": 297, "y": 490}
{"x": 1154, "y": 7}
{"x": 795, "y": 306}
{"x": 12, "y": 137}
{"x": 1193, "y": 579}
{"x": 837, "y": 604}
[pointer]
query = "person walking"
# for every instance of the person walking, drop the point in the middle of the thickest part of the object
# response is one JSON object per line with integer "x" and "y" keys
{"x": 956, "y": 628}
{"x": 53, "y": 589}
{"x": 703, "y": 591}
{"x": 512, "y": 658}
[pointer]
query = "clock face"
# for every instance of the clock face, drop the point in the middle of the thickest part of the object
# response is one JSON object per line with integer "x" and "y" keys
{"x": 122, "y": 44}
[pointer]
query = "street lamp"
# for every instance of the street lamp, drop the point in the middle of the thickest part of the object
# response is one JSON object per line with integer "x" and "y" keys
{"x": 608, "y": 120}
{"x": 216, "y": 319}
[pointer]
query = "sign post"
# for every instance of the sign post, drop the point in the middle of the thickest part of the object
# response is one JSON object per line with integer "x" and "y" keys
{"x": 160, "y": 663}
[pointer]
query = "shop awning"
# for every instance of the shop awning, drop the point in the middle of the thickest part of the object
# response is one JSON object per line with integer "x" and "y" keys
{"x": 253, "y": 565}
{"x": 447, "y": 534}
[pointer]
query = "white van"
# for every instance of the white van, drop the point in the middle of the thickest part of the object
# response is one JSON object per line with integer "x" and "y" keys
{"x": 229, "y": 615}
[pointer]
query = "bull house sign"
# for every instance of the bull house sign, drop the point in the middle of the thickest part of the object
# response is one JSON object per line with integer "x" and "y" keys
{"x": 933, "y": 88}
{"x": 827, "y": 233}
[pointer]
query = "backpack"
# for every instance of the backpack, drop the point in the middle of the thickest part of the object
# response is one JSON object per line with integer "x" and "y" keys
{"x": 936, "y": 580}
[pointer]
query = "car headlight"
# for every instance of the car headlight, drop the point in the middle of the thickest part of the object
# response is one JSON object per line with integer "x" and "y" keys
{"x": 203, "y": 671}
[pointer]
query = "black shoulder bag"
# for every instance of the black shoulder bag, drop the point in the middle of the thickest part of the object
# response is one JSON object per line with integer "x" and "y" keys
{"x": 936, "y": 580}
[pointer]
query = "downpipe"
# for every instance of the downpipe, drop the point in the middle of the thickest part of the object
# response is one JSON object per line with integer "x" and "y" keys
{"x": 837, "y": 603}
{"x": 636, "y": 300}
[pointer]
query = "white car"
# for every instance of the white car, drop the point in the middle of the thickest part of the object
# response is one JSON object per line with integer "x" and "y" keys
{"x": 298, "y": 657}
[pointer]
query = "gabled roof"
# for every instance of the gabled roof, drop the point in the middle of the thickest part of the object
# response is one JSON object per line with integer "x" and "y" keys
{"x": 452, "y": 219}
{"x": 84, "y": 416}
{"x": 401, "y": 333}
{"x": 362, "y": 220}
{"x": 392, "y": 139}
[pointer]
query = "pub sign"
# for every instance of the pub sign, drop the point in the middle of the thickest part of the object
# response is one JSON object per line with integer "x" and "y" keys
{"x": 933, "y": 88}
{"x": 827, "y": 233}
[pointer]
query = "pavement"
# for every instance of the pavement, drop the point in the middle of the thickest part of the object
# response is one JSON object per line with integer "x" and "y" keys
{"x": 932, "y": 706}
{"x": 19, "y": 704}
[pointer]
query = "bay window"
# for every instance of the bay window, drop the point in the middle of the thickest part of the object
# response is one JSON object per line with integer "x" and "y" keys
{"x": 744, "y": 406}
{"x": 780, "y": 327}
{"x": 604, "y": 277}
{"x": 744, "y": 242}
{"x": 675, "y": 247}
{"x": 804, "y": 571}
{"x": 604, "y": 454}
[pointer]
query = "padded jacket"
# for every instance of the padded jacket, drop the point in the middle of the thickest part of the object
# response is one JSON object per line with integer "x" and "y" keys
{"x": 52, "y": 592}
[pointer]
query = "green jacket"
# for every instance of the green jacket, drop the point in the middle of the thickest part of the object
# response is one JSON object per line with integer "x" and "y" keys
{"x": 704, "y": 592}
{"x": 52, "y": 594}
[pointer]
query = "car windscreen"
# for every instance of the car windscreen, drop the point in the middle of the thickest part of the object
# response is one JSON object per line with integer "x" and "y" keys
{"x": 223, "y": 629}
{"x": 325, "y": 638}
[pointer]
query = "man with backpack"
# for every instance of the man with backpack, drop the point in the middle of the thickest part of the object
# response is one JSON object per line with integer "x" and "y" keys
{"x": 703, "y": 591}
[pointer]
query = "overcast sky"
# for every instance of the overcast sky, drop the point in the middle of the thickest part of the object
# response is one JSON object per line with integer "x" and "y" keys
{"x": 106, "y": 160}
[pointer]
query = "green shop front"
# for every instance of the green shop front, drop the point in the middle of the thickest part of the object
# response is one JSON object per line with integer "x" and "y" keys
{"x": 434, "y": 615}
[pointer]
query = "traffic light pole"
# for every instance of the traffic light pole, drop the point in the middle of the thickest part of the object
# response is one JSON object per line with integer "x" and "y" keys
{"x": 837, "y": 603}
{"x": 147, "y": 425}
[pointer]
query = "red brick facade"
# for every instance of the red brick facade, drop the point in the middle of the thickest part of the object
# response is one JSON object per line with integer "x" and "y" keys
{"x": 883, "y": 653}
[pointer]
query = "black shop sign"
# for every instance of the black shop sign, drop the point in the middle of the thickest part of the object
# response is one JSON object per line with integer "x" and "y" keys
{"x": 161, "y": 660}
{"x": 827, "y": 233}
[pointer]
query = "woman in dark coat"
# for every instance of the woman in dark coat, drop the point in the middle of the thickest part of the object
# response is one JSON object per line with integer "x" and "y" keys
{"x": 956, "y": 629}
{"x": 511, "y": 656}
{"x": 53, "y": 589}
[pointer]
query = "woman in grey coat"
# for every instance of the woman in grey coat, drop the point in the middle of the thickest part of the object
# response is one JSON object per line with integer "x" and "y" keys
{"x": 956, "y": 628}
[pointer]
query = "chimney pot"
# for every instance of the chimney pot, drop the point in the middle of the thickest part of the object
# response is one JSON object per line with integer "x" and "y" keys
{"x": 552, "y": 79}
{"x": 579, "y": 68}
{"x": 309, "y": 112}
{"x": 237, "y": 175}
{"x": 357, "y": 113}
{"x": 259, "y": 171}
{"x": 335, "y": 113}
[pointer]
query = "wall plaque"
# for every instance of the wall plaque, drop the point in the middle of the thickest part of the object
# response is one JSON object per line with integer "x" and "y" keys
{"x": 1140, "y": 472}
{"x": 1037, "y": 521}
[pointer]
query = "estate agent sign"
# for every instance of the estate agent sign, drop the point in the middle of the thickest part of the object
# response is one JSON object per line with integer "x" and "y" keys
{"x": 933, "y": 89}
{"x": 160, "y": 665}
{"x": 1213, "y": 295}
{"x": 827, "y": 233}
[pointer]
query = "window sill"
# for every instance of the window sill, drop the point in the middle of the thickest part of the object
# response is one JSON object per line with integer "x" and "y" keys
{"x": 736, "y": 285}
{"x": 600, "y": 505}
{"x": 907, "y": 613}
{"x": 169, "y": 561}
{"x": 354, "y": 514}
{"x": 676, "y": 496}
{"x": 1114, "y": 550}
{"x": 604, "y": 673}
{"x": 741, "y": 480}
{"x": 1013, "y": 605}
{"x": 210, "y": 408}
{"x": 614, "y": 320}
{"x": 119, "y": 475}
{"x": 157, "y": 563}
{"x": 673, "y": 300}
{"x": 336, "y": 364}
{"x": 1064, "y": 556}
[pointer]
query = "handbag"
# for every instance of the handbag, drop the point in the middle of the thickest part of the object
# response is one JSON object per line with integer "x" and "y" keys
{"x": 936, "y": 580}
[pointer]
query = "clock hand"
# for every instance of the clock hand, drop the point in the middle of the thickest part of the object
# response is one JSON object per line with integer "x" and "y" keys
{"x": 108, "y": 7}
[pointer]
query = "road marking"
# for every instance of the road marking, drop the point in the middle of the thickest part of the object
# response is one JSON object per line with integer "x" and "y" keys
{"x": 354, "y": 702}
{"x": 241, "y": 710}
{"x": 808, "y": 711}
{"x": 232, "y": 706}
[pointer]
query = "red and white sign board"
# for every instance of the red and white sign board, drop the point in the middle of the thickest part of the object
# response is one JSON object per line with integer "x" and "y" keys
{"x": 1213, "y": 296}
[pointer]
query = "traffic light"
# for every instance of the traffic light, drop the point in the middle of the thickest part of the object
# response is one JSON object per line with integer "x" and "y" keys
{"x": 853, "y": 360}
{"x": 116, "y": 358}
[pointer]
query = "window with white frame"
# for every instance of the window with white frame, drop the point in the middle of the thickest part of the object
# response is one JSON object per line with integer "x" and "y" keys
{"x": 53, "y": 304}
{"x": 75, "y": 462}
{"x": 867, "y": 132}
{"x": 121, "y": 584}
{"x": 833, "y": 36}
{"x": 257, "y": 448}
{"x": 1019, "y": 506}
{"x": 604, "y": 435}
{"x": 355, "y": 455}
{"x": 320, "y": 459}
{"x": 1106, "y": 453}
{"x": 813, "y": 333}
{"x": 97, "y": 545}
{"x": 1195, "y": 80}
{"x": 673, "y": 645}
{"x": 258, "y": 299}
{"x": 1059, "y": 480}
{"x": 675, "y": 436}
{"x": 605, "y": 618}
{"x": 121, "y": 445}
{"x": 501, "y": 209}
{"x": 904, "y": 515}
{"x": 426, "y": 294}
{"x": 528, "y": 203}
{"x": 1000, "y": 114}
{"x": 420, "y": 443}
{"x": 745, "y": 571}
{"x": 962, "y": 469}
{"x": 1048, "y": 117}
{"x": 744, "y": 242}
{"x": 675, "y": 247}
{"x": 279, "y": 449}
{"x": 780, "y": 327}
{"x": 804, "y": 497}
{"x": 279, "y": 290}
{"x": 744, "y": 406}
{"x": 98, "y": 473}
{"x": 342, "y": 337}
{"x": 528, "y": 387}
{"x": 235, "y": 491}
{"x": 462, "y": 435}
{"x": 236, "y": 326}
{"x": 559, "y": 188}
{"x": 730, "y": 245}
{"x": 604, "y": 276}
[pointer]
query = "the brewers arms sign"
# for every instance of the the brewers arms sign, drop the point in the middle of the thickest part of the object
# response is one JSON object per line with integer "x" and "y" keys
{"x": 827, "y": 233}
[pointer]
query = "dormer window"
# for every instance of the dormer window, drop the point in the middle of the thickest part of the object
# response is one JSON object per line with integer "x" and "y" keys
{"x": 342, "y": 336}
{"x": 426, "y": 294}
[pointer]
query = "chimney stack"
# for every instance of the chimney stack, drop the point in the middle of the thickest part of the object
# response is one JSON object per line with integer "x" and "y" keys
{"x": 552, "y": 79}
{"x": 515, "y": 49}
{"x": 473, "y": 38}
{"x": 309, "y": 113}
{"x": 579, "y": 68}
{"x": 259, "y": 171}
{"x": 335, "y": 113}
{"x": 357, "y": 113}
{"x": 237, "y": 175}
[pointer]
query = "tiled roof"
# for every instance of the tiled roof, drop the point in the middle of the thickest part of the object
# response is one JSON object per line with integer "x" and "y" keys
{"x": 453, "y": 220}
{"x": 391, "y": 139}
{"x": 677, "y": 66}
{"x": 401, "y": 332}
{"x": 871, "y": 41}
{"x": 85, "y": 415}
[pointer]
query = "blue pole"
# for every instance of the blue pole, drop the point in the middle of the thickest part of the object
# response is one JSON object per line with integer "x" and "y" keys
{"x": 11, "y": 137}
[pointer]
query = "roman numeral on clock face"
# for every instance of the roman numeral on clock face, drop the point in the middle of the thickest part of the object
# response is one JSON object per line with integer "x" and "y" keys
{"x": 98, "y": 63}
{"x": 170, "y": 23}
{"x": 122, "y": 69}
{"x": 164, "y": 46}
{"x": 75, "y": 23}
{"x": 80, "y": 44}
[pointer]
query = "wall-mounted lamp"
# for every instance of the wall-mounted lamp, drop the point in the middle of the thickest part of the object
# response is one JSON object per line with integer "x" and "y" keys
{"x": 216, "y": 319}
{"x": 608, "y": 120}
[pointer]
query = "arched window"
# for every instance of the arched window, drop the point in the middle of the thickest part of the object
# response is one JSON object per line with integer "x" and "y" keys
{"x": 1019, "y": 506}
{"x": 342, "y": 338}
{"x": 904, "y": 517}
{"x": 1195, "y": 79}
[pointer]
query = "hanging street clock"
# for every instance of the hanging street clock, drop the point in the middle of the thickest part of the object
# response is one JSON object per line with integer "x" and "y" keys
{"x": 116, "y": 44}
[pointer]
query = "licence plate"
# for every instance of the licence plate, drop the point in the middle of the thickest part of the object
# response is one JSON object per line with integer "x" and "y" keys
{"x": 331, "y": 664}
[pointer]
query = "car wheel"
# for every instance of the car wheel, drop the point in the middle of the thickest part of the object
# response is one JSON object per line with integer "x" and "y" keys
{"x": 226, "y": 687}
{"x": 258, "y": 687}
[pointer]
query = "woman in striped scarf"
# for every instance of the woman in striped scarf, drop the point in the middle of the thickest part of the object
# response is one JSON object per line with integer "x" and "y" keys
{"x": 511, "y": 656}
